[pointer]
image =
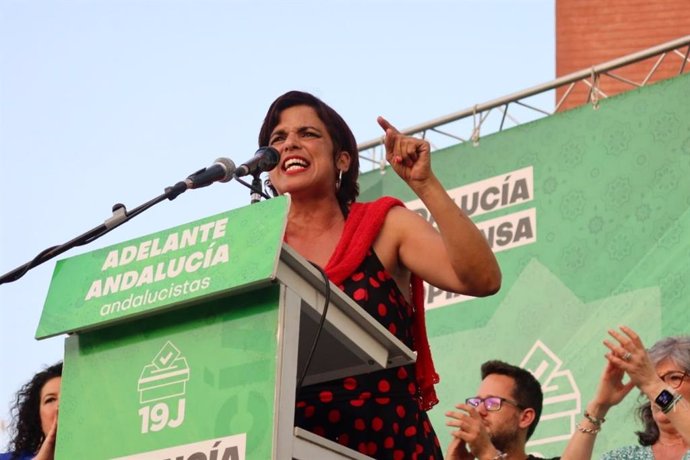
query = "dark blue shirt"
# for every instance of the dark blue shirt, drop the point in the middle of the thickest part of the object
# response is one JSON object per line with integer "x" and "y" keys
{"x": 11, "y": 456}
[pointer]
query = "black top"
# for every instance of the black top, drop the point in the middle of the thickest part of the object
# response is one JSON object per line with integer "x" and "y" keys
{"x": 377, "y": 414}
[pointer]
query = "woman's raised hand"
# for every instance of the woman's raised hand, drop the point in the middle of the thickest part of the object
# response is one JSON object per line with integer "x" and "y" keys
{"x": 630, "y": 355}
{"x": 409, "y": 156}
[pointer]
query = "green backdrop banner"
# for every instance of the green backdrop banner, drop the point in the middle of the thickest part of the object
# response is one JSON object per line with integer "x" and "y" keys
{"x": 587, "y": 211}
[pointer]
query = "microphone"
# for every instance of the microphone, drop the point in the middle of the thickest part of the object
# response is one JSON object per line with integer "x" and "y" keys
{"x": 265, "y": 159}
{"x": 222, "y": 170}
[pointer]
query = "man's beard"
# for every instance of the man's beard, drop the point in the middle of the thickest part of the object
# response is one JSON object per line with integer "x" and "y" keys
{"x": 503, "y": 438}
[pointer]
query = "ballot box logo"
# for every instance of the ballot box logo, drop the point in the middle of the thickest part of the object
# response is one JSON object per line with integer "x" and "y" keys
{"x": 562, "y": 399}
{"x": 162, "y": 385}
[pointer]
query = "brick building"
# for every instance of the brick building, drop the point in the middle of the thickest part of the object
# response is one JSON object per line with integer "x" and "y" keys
{"x": 591, "y": 32}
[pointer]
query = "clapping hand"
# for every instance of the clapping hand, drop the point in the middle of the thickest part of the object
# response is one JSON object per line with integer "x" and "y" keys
{"x": 470, "y": 439}
{"x": 630, "y": 355}
{"x": 47, "y": 450}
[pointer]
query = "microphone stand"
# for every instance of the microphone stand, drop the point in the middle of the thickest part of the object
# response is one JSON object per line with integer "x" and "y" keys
{"x": 255, "y": 192}
{"x": 119, "y": 217}
{"x": 256, "y": 185}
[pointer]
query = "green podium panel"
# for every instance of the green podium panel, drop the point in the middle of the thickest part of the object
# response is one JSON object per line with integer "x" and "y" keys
{"x": 187, "y": 264}
{"x": 187, "y": 344}
{"x": 207, "y": 373}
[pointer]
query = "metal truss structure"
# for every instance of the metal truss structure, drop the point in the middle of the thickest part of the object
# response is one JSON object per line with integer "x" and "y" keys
{"x": 524, "y": 105}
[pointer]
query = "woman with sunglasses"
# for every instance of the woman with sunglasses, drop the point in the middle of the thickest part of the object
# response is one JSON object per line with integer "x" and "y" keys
{"x": 661, "y": 374}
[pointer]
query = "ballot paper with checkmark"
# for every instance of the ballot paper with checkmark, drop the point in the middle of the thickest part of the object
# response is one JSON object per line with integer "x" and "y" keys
{"x": 166, "y": 376}
{"x": 562, "y": 399}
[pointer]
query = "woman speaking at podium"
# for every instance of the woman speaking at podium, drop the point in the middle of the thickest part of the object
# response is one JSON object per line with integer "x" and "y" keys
{"x": 378, "y": 253}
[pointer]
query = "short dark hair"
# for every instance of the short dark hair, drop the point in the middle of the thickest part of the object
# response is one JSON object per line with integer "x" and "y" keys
{"x": 526, "y": 392}
{"x": 26, "y": 431}
{"x": 340, "y": 132}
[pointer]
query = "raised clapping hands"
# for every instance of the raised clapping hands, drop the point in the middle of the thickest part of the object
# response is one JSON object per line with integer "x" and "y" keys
{"x": 629, "y": 355}
{"x": 408, "y": 155}
{"x": 626, "y": 355}
{"x": 470, "y": 439}
{"x": 611, "y": 389}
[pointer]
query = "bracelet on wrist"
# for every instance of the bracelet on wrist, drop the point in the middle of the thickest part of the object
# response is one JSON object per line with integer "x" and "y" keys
{"x": 591, "y": 431}
{"x": 595, "y": 420}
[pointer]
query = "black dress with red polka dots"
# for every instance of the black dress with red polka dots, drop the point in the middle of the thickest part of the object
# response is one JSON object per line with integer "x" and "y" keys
{"x": 377, "y": 414}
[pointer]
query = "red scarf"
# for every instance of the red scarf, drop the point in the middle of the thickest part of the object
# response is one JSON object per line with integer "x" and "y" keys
{"x": 362, "y": 226}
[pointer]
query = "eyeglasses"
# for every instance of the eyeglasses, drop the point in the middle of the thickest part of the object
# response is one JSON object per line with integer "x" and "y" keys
{"x": 674, "y": 379}
{"x": 491, "y": 403}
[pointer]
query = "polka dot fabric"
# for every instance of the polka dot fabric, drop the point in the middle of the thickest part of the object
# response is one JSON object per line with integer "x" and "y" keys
{"x": 377, "y": 414}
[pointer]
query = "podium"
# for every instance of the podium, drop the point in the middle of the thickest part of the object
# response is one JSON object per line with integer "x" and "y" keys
{"x": 188, "y": 343}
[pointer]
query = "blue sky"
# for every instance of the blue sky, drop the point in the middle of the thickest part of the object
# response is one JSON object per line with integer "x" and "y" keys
{"x": 111, "y": 101}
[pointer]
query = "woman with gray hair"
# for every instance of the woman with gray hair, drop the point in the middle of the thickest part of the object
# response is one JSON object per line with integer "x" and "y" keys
{"x": 662, "y": 374}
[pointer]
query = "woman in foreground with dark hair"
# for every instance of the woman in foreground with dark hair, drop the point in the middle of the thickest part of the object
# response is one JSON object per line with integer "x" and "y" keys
{"x": 34, "y": 417}
{"x": 663, "y": 376}
{"x": 377, "y": 253}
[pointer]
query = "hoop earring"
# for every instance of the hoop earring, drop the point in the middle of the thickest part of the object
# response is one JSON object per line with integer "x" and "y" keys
{"x": 339, "y": 180}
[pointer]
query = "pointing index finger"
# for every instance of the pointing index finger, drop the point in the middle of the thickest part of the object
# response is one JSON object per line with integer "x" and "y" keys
{"x": 385, "y": 124}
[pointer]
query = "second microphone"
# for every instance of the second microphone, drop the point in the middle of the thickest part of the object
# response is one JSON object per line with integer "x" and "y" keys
{"x": 265, "y": 159}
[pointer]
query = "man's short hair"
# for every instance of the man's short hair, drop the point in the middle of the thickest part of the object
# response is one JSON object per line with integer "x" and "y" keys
{"x": 526, "y": 391}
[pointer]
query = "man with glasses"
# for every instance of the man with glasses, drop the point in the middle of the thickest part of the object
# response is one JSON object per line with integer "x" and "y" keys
{"x": 497, "y": 422}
